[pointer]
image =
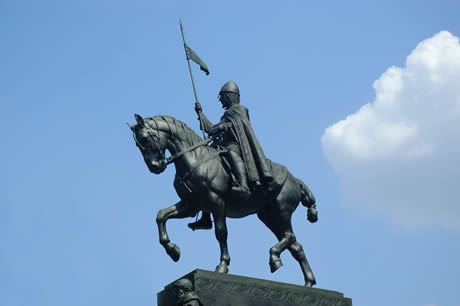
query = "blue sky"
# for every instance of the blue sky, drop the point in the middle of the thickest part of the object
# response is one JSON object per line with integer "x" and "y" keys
{"x": 78, "y": 205}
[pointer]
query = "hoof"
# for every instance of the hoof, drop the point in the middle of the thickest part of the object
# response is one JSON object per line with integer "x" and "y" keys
{"x": 275, "y": 265}
{"x": 173, "y": 251}
{"x": 309, "y": 284}
{"x": 222, "y": 268}
{"x": 312, "y": 215}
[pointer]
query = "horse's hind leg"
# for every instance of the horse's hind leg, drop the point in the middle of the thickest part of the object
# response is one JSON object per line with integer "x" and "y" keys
{"x": 297, "y": 252}
{"x": 280, "y": 225}
{"x": 179, "y": 210}
{"x": 221, "y": 235}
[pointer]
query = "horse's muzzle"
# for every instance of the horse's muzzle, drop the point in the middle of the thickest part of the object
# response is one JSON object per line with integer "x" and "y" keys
{"x": 157, "y": 167}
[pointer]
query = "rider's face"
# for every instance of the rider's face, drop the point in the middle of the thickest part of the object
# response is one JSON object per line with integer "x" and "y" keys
{"x": 223, "y": 98}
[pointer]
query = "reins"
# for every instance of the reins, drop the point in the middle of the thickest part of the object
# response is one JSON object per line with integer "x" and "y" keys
{"x": 189, "y": 149}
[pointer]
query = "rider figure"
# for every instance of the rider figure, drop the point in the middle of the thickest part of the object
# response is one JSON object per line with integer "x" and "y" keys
{"x": 242, "y": 149}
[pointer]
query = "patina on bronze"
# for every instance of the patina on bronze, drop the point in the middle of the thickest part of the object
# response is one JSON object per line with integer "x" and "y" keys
{"x": 204, "y": 183}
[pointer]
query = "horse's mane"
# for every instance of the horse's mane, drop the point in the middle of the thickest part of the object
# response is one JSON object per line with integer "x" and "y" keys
{"x": 176, "y": 127}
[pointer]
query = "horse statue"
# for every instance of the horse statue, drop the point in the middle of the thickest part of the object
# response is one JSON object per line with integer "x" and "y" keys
{"x": 203, "y": 183}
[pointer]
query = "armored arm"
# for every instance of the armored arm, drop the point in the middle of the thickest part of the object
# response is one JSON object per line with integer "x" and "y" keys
{"x": 207, "y": 125}
{"x": 220, "y": 128}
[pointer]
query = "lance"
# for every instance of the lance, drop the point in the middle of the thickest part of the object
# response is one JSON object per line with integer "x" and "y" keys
{"x": 203, "y": 67}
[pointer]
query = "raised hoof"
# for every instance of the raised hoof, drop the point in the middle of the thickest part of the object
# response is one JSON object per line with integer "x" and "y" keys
{"x": 222, "y": 269}
{"x": 173, "y": 251}
{"x": 275, "y": 265}
{"x": 312, "y": 215}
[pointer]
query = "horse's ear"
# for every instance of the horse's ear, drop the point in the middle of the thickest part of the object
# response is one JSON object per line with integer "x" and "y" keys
{"x": 139, "y": 119}
{"x": 130, "y": 126}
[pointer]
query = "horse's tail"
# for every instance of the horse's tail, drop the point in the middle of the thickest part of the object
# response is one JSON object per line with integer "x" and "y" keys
{"x": 307, "y": 197}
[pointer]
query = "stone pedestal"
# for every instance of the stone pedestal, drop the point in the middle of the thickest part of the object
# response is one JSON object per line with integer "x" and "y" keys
{"x": 217, "y": 289}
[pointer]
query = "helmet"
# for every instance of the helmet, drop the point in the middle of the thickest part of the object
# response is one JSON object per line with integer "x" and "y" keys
{"x": 230, "y": 86}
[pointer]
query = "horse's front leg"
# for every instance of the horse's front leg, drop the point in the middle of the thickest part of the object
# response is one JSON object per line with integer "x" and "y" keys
{"x": 176, "y": 211}
{"x": 221, "y": 235}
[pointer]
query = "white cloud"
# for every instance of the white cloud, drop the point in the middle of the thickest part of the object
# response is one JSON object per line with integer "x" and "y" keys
{"x": 399, "y": 155}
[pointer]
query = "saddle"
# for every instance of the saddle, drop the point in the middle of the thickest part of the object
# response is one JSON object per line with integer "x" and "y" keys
{"x": 279, "y": 177}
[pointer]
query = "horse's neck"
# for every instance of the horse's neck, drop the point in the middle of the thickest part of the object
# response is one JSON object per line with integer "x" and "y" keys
{"x": 190, "y": 159}
{"x": 177, "y": 144}
{"x": 179, "y": 136}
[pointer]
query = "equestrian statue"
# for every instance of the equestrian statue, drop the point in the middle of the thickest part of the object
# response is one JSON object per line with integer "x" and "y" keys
{"x": 225, "y": 175}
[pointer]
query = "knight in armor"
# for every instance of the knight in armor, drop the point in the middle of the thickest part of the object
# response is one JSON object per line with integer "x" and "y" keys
{"x": 242, "y": 149}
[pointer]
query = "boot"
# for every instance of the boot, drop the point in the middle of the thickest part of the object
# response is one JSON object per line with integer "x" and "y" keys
{"x": 241, "y": 190}
{"x": 204, "y": 222}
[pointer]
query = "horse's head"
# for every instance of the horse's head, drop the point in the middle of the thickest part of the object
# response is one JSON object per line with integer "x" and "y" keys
{"x": 151, "y": 142}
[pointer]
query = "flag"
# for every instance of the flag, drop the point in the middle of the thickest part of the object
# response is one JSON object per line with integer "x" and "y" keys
{"x": 192, "y": 56}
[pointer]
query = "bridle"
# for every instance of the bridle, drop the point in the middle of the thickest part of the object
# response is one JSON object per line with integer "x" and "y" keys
{"x": 153, "y": 141}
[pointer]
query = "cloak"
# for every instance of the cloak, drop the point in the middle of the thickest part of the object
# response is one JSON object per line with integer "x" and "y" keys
{"x": 257, "y": 166}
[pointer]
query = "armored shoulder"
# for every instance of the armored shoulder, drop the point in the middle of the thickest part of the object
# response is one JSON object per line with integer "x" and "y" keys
{"x": 236, "y": 111}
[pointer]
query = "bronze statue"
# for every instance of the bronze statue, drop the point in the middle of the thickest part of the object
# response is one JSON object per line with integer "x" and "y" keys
{"x": 204, "y": 180}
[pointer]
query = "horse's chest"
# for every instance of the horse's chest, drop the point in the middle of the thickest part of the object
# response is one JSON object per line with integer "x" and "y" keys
{"x": 183, "y": 188}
